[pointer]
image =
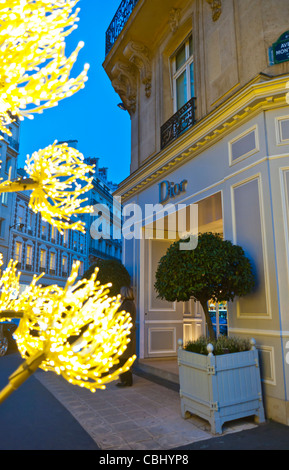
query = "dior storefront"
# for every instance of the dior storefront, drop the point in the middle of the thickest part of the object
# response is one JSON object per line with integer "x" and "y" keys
{"x": 234, "y": 167}
{"x": 205, "y": 85}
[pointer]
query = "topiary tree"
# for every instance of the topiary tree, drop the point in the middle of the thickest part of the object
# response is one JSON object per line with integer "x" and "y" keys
{"x": 215, "y": 270}
{"x": 112, "y": 271}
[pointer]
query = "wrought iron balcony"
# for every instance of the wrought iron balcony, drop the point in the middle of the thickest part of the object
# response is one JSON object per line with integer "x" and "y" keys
{"x": 119, "y": 20}
{"x": 180, "y": 122}
{"x": 13, "y": 143}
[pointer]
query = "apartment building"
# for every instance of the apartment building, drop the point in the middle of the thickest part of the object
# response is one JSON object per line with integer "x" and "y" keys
{"x": 40, "y": 248}
{"x": 9, "y": 151}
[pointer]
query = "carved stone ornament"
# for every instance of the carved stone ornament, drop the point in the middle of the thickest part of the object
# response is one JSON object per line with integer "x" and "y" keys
{"x": 138, "y": 55}
{"x": 216, "y": 6}
{"x": 174, "y": 18}
{"x": 124, "y": 83}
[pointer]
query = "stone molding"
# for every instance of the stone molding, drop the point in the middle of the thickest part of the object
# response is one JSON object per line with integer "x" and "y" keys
{"x": 174, "y": 18}
{"x": 250, "y": 100}
{"x": 216, "y": 6}
{"x": 138, "y": 55}
{"x": 124, "y": 83}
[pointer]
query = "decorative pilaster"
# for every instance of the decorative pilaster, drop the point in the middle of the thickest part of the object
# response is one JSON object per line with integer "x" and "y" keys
{"x": 138, "y": 54}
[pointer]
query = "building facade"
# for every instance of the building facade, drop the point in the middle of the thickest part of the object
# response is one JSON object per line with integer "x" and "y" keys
{"x": 106, "y": 218}
{"x": 205, "y": 84}
{"x": 40, "y": 248}
{"x": 9, "y": 151}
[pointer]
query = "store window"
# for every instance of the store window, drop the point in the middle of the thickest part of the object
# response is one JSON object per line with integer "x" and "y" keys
{"x": 18, "y": 251}
{"x": 219, "y": 316}
{"x": 21, "y": 214}
{"x": 43, "y": 259}
{"x": 52, "y": 263}
{"x": 53, "y": 234}
{"x": 8, "y": 164}
{"x": 4, "y": 199}
{"x": 29, "y": 254}
{"x": 43, "y": 230}
{"x": 183, "y": 74}
{"x": 64, "y": 265}
{"x": 65, "y": 238}
{"x": 31, "y": 222}
{"x": 2, "y": 227}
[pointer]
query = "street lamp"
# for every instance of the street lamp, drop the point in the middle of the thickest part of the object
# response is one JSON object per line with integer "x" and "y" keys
{"x": 15, "y": 225}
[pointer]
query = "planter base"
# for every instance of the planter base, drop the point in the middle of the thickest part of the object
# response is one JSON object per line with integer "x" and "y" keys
{"x": 214, "y": 417}
{"x": 221, "y": 388}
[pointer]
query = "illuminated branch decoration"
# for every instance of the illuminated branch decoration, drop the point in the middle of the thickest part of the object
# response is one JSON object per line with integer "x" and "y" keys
{"x": 58, "y": 177}
{"x": 9, "y": 289}
{"x": 34, "y": 70}
{"x": 75, "y": 331}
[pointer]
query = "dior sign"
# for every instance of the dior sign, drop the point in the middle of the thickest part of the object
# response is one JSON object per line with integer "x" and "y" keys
{"x": 168, "y": 190}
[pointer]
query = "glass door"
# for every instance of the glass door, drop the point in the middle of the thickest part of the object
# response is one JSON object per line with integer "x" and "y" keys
{"x": 219, "y": 316}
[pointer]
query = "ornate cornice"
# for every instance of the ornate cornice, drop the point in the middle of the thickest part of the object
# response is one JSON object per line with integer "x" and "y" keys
{"x": 216, "y": 6}
{"x": 124, "y": 82}
{"x": 247, "y": 102}
{"x": 138, "y": 55}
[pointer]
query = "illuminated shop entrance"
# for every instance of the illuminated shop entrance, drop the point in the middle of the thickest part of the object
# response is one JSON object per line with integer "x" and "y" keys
{"x": 164, "y": 323}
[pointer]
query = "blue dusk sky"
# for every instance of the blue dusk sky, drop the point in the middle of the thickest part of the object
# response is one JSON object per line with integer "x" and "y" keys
{"x": 91, "y": 116}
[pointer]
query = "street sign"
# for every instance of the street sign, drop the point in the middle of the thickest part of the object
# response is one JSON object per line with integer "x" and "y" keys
{"x": 281, "y": 49}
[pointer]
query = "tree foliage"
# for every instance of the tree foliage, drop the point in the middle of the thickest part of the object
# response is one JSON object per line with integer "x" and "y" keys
{"x": 216, "y": 270}
{"x": 110, "y": 271}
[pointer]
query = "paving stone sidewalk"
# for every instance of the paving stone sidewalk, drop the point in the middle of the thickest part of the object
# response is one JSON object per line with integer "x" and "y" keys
{"x": 146, "y": 416}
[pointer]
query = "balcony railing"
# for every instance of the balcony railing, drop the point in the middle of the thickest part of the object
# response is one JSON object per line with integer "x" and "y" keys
{"x": 12, "y": 142}
{"x": 119, "y": 20}
{"x": 180, "y": 122}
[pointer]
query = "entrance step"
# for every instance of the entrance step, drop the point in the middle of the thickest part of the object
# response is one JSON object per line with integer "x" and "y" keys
{"x": 162, "y": 371}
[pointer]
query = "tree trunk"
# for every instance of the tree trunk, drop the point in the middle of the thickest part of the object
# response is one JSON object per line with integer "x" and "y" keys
{"x": 204, "y": 304}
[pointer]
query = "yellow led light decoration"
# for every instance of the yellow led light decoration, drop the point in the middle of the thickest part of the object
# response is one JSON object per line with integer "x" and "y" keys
{"x": 9, "y": 288}
{"x": 58, "y": 177}
{"x": 77, "y": 330}
{"x": 34, "y": 71}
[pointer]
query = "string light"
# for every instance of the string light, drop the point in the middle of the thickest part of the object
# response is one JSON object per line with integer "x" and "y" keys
{"x": 77, "y": 329}
{"x": 58, "y": 177}
{"x": 9, "y": 287}
{"x": 34, "y": 70}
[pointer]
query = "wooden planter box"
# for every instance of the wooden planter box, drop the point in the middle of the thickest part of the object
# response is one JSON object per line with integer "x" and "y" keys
{"x": 220, "y": 388}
